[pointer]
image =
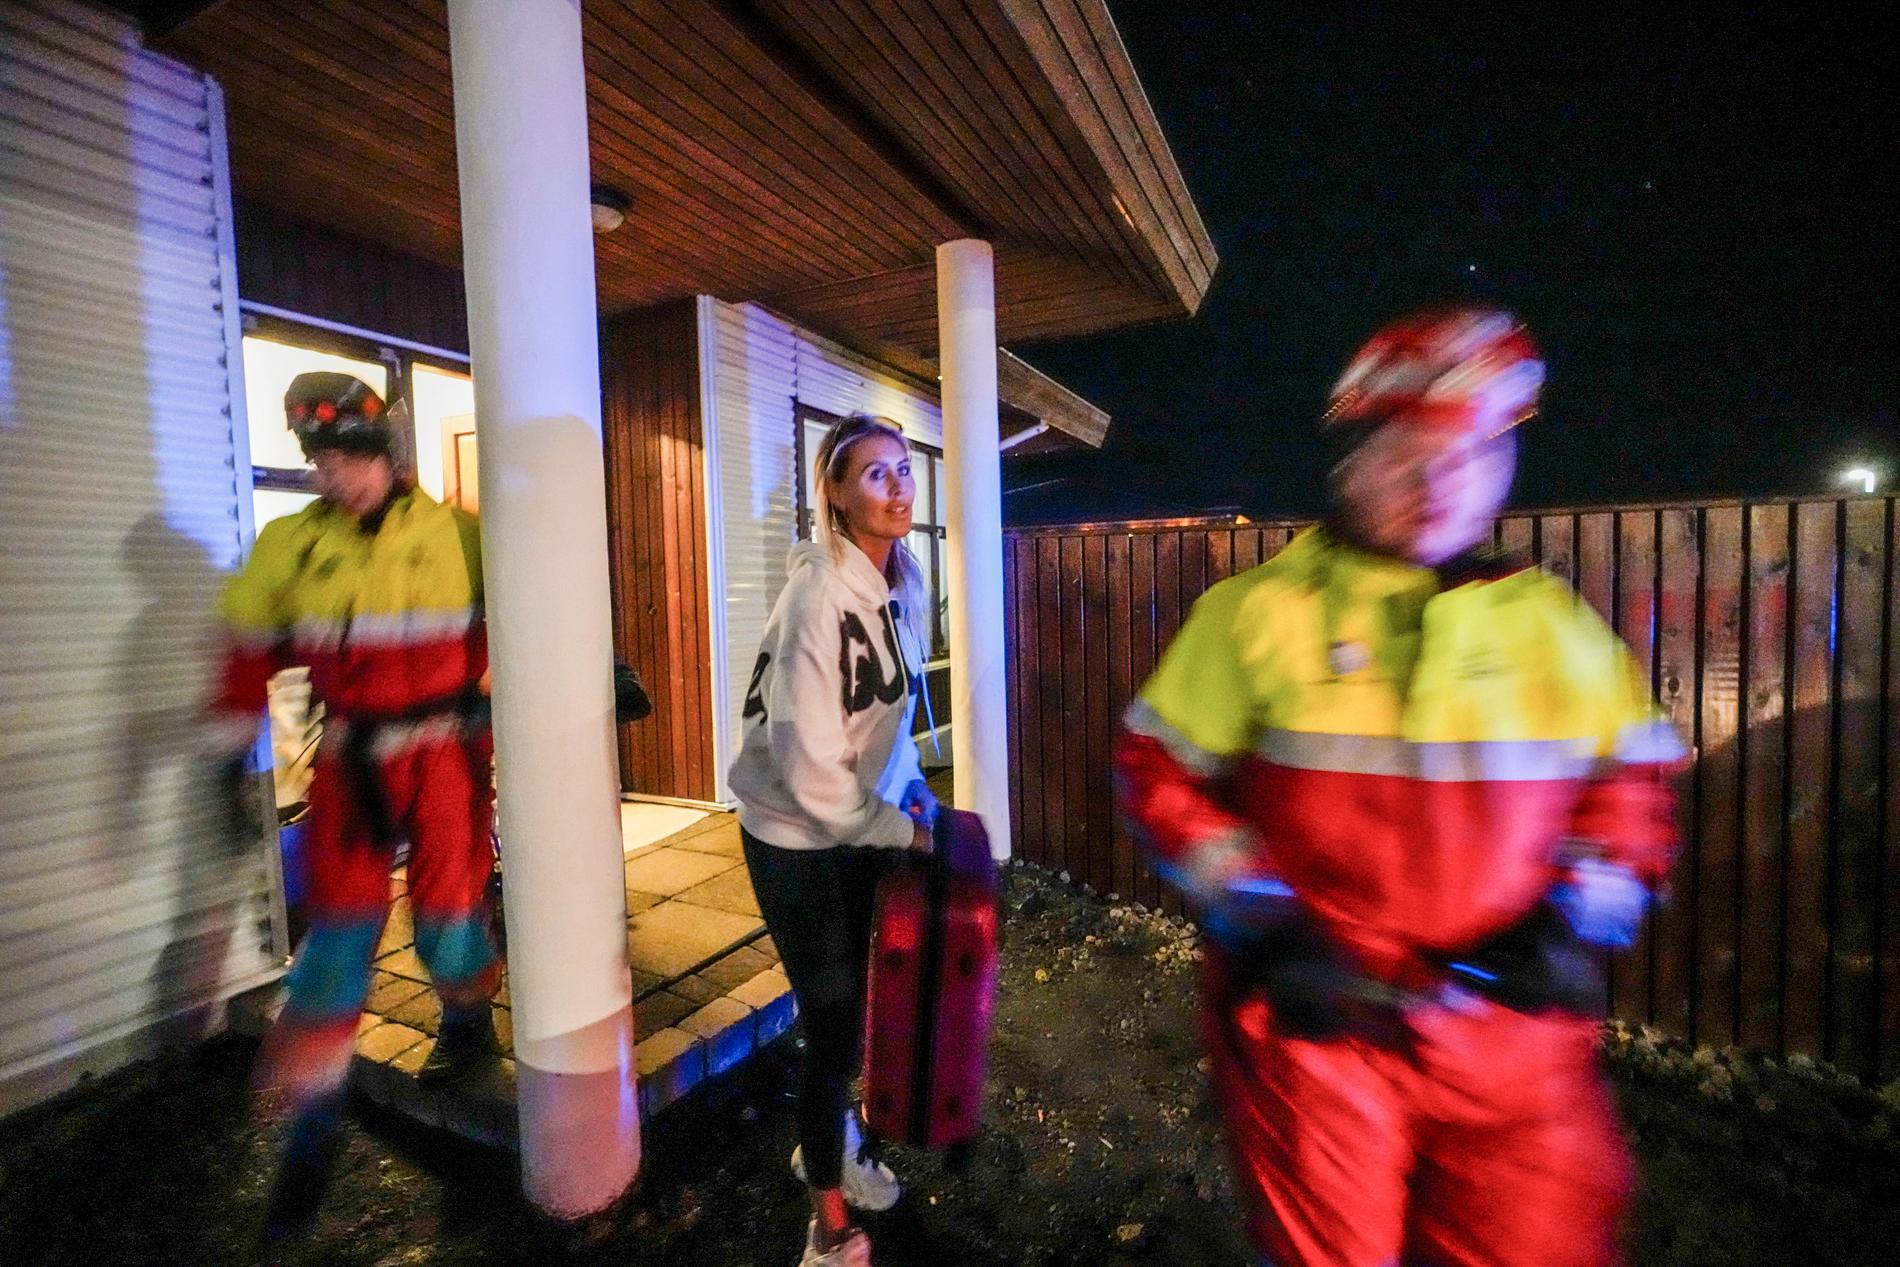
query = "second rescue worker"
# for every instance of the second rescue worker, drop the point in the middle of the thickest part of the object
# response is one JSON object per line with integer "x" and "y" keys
{"x": 1413, "y": 782}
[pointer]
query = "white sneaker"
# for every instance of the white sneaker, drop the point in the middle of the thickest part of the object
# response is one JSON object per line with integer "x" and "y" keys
{"x": 868, "y": 1183}
{"x": 855, "y": 1252}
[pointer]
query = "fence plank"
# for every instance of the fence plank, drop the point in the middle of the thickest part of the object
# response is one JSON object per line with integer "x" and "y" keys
{"x": 1167, "y": 589}
{"x": 1596, "y": 563}
{"x": 1121, "y": 687}
{"x": 1049, "y": 585}
{"x": 1029, "y": 827}
{"x": 1246, "y": 549}
{"x": 1012, "y": 689}
{"x": 1810, "y": 756}
{"x": 1100, "y": 866}
{"x": 1672, "y": 949}
{"x": 1514, "y": 534}
{"x": 1141, "y": 663}
{"x": 1075, "y": 774}
{"x": 1853, "y": 1001}
{"x": 1718, "y": 779}
{"x": 1764, "y": 776}
{"x": 1636, "y": 623}
{"x": 1889, "y": 881}
{"x": 1220, "y": 557}
{"x": 1557, "y": 546}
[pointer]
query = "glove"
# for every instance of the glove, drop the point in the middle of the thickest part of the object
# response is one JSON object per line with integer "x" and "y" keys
{"x": 1314, "y": 990}
{"x": 1538, "y": 964}
{"x": 1603, "y": 902}
{"x": 920, "y": 803}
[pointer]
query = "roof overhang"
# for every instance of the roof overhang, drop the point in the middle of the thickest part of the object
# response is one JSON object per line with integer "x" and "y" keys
{"x": 807, "y": 154}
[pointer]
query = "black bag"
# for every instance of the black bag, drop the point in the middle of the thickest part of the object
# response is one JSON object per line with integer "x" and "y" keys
{"x": 630, "y": 696}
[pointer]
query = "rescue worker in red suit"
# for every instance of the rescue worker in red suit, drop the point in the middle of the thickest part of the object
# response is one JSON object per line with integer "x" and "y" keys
{"x": 1416, "y": 787}
{"x": 378, "y": 589}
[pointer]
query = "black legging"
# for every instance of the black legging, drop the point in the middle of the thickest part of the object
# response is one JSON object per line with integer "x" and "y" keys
{"x": 818, "y": 905}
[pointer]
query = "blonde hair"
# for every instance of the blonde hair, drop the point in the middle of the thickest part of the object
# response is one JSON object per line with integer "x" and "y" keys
{"x": 830, "y": 530}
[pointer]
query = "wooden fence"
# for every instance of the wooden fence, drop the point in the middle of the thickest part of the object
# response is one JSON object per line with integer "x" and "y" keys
{"x": 1768, "y": 629}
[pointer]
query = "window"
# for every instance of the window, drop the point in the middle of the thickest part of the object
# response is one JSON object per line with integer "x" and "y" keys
{"x": 441, "y": 399}
{"x": 927, "y": 532}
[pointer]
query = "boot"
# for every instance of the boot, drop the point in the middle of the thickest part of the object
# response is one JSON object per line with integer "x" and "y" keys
{"x": 465, "y": 1045}
{"x": 303, "y": 1174}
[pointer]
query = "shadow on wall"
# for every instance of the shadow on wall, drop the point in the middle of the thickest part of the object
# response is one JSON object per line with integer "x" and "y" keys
{"x": 168, "y": 801}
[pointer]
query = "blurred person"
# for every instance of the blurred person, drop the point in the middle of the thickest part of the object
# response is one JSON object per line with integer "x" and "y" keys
{"x": 377, "y": 588}
{"x": 1415, "y": 786}
{"x": 830, "y": 786}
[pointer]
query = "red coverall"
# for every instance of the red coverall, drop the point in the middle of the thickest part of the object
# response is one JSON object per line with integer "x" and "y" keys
{"x": 388, "y": 618}
{"x": 1414, "y": 761}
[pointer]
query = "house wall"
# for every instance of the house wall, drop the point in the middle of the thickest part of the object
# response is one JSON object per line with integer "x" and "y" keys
{"x": 657, "y": 542}
{"x": 296, "y": 265}
{"x": 131, "y": 905}
{"x": 762, "y": 368}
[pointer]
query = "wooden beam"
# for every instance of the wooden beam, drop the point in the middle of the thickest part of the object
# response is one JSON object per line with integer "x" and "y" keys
{"x": 1034, "y": 392}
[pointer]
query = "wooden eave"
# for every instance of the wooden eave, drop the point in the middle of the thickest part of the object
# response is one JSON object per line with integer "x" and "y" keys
{"x": 808, "y": 154}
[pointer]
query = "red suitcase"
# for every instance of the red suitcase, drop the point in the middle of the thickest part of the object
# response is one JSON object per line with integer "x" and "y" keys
{"x": 932, "y": 986}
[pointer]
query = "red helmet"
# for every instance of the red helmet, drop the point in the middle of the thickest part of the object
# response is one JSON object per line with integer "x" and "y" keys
{"x": 1470, "y": 368}
{"x": 327, "y": 410}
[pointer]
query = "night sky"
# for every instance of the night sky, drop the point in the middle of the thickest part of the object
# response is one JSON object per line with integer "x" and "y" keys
{"x": 1692, "y": 214}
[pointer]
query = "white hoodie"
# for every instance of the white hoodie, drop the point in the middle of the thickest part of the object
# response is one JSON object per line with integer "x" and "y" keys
{"x": 824, "y": 759}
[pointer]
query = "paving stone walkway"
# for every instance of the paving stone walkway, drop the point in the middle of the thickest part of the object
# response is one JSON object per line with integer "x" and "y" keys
{"x": 707, "y": 985}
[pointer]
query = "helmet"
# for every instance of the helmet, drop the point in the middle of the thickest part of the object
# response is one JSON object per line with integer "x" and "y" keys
{"x": 327, "y": 410}
{"x": 1468, "y": 368}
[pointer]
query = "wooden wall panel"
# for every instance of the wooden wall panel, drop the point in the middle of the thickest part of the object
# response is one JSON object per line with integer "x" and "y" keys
{"x": 656, "y": 533}
{"x": 1766, "y": 632}
{"x": 318, "y": 271}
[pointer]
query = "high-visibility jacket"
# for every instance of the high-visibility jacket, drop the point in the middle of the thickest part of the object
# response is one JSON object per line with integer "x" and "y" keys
{"x": 389, "y": 621}
{"x": 1414, "y": 756}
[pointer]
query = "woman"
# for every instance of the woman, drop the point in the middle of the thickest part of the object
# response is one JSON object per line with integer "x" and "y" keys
{"x": 829, "y": 784}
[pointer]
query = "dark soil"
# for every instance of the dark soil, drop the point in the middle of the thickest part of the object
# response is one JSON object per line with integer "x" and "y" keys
{"x": 1100, "y": 1150}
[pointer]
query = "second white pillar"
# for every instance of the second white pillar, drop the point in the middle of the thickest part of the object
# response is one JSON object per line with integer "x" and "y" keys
{"x": 973, "y": 477}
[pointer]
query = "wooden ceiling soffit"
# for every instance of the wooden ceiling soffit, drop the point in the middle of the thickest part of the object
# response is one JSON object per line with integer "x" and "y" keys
{"x": 1082, "y": 59}
{"x": 1038, "y": 297}
{"x": 1031, "y": 111}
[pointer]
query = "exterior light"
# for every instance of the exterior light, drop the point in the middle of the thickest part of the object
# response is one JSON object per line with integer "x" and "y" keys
{"x": 609, "y": 209}
{"x": 1868, "y": 479}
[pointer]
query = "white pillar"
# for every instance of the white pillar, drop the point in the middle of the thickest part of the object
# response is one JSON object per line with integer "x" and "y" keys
{"x": 528, "y": 256}
{"x": 973, "y": 479}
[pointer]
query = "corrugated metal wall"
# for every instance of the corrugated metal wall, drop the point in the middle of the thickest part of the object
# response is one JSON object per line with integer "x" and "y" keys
{"x": 761, "y": 367}
{"x": 1769, "y": 630}
{"x": 748, "y": 368}
{"x": 124, "y": 497}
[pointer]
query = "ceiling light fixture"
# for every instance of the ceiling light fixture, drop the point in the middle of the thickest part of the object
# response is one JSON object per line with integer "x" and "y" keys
{"x": 610, "y": 208}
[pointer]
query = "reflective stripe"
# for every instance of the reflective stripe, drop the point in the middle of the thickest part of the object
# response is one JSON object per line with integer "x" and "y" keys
{"x": 1480, "y": 761}
{"x": 384, "y": 629}
{"x": 455, "y": 950}
{"x": 1142, "y": 719}
{"x": 1651, "y": 742}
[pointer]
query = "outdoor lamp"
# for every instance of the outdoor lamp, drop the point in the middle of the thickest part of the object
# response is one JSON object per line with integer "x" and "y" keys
{"x": 609, "y": 208}
{"x": 1866, "y": 477}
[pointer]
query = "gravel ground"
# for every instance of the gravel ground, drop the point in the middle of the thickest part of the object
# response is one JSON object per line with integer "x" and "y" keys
{"x": 1100, "y": 1149}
